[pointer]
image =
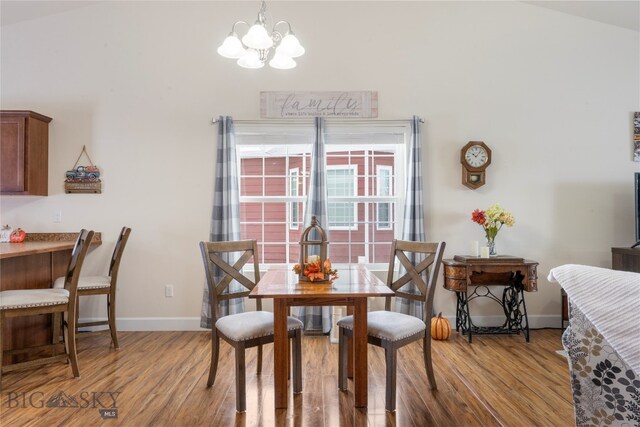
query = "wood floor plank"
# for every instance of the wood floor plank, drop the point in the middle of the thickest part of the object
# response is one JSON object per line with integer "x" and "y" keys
{"x": 159, "y": 379}
{"x": 450, "y": 398}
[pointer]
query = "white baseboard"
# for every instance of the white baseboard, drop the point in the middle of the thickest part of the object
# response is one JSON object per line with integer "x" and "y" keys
{"x": 193, "y": 323}
{"x": 535, "y": 321}
{"x": 151, "y": 324}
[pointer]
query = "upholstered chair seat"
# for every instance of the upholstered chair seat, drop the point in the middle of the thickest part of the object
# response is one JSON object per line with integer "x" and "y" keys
{"x": 86, "y": 282}
{"x": 33, "y": 298}
{"x": 252, "y": 324}
{"x": 388, "y": 325}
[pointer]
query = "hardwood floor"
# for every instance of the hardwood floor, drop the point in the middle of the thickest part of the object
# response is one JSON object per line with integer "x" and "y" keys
{"x": 159, "y": 379}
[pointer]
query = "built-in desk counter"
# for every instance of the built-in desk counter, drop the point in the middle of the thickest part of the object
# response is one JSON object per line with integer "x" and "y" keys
{"x": 34, "y": 264}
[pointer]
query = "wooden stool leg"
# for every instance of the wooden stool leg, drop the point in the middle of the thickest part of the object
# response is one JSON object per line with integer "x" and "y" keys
{"x": 55, "y": 339}
{"x": 259, "y": 359}
{"x": 426, "y": 349}
{"x": 350, "y": 347}
{"x": 343, "y": 342}
{"x": 77, "y": 317}
{"x": 241, "y": 399}
{"x": 215, "y": 349}
{"x": 65, "y": 336}
{"x": 70, "y": 339}
{"x": 288, "y": 347}
{"x": 111, "y": 313}
{"x": 390, "y": 359}
{"x": 288, "y": 358}
{"x": 297, "y": 361}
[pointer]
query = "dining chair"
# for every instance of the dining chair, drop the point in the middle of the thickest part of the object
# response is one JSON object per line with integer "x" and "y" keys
{"x": 242, "y": 330}
{"x": 391, "y": 330}
{"x": 103, "y": 285}
{"x": 60, "y": 301}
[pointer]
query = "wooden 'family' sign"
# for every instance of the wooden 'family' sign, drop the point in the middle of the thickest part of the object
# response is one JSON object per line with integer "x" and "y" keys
{"x": 290, "y": 105}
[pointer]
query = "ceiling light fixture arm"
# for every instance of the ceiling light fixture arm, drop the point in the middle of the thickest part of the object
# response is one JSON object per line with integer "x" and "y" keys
{"x": 233, "y": 27}
{"x": 277, "y": 35}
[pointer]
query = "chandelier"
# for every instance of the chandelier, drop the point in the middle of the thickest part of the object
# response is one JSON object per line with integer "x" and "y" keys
{"x": 256, "y": 45}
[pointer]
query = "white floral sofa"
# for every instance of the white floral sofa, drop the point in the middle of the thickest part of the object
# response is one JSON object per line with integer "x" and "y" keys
{"x": 603, "y": 344}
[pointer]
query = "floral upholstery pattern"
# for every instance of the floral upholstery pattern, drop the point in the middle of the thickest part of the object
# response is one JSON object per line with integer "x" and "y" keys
{"x": 606, "y": 392}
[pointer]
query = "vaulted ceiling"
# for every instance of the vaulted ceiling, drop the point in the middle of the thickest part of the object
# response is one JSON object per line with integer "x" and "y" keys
{"x": 625, "y": 14}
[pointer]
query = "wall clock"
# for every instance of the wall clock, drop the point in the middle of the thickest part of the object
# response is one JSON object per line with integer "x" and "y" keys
{"x": 475, "y": 157}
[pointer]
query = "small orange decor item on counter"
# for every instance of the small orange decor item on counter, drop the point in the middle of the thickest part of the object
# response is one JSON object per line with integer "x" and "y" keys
{"x": 17, "y": 236}
{"x": 440, "y": 328}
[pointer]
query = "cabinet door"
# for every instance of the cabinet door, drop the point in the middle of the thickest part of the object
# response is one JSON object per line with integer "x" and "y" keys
{"x": 12, "y": 153}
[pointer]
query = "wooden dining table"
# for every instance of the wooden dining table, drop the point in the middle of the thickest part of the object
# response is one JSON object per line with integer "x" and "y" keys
{"x": 351, "y": 289}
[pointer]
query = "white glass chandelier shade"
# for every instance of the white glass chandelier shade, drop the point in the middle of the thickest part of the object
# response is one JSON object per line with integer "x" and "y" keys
{"x": 290, "y": 46}
{"x": 257, "y": 37}
{"x": 231, "y": 47}
{"x": 256, "y": 46}
{"x": 251, "y": 59}
{"x": 282, "y": 62}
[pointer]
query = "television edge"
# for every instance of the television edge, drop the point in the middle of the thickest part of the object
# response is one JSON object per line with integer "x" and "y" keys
{"x": 637, "y": 207}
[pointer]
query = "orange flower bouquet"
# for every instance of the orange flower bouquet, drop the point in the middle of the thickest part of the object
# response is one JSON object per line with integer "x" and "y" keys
{"x": 312, "y": 269}
{"x": 491, "y": 222}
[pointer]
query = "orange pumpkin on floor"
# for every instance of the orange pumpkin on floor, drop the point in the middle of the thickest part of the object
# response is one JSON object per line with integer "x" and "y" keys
{"x": 440, "y": 328}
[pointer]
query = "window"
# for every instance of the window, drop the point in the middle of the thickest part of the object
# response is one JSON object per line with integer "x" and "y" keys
{"x": 294, "y": 207}
{"x": 365, "y": 166}
{"x": 383, "y": 188}
{"x": 342, "y": 181}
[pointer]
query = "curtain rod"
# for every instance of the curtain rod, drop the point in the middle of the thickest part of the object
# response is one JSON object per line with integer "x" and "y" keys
{"x": 299, "y": 121}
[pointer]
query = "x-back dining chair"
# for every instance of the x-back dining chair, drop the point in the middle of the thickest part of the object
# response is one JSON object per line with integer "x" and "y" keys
{"x": 29, "y": 302}
{"x": 242, "y": 330}
{"x": 391, "y": 330}
{"x": 104, "y": 285}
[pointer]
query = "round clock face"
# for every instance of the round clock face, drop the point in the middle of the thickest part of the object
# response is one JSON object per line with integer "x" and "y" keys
{"x": 476, "y": 156}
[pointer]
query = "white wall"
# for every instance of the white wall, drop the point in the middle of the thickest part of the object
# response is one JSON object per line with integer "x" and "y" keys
{"x": 138, "y": 82}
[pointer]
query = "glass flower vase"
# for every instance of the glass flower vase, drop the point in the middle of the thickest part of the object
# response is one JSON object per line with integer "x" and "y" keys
{"x": 491, "y": 243}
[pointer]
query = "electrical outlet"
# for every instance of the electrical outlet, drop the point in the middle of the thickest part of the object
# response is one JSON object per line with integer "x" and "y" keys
{"x": 168, "y": 291}
{"x": 57, "y": 216}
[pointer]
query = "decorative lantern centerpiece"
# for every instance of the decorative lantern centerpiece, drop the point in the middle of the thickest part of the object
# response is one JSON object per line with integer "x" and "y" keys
{"x": 314, "y": 265}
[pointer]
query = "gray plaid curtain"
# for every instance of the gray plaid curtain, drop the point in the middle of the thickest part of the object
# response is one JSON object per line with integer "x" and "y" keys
{"x": 225, "y": 215}
{"x": 317, "y": 318}
{"x": 413, "y": 229}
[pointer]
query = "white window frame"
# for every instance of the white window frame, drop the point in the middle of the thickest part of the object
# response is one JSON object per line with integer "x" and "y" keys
{"x": 300, "y": 132}
{"x": 293, "y": 206}
{"x": 353, "y": 168}
{"x": 380, "y": 168}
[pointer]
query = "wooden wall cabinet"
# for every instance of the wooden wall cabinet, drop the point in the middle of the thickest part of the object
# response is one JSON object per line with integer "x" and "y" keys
{"x": 24, "y": 153}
